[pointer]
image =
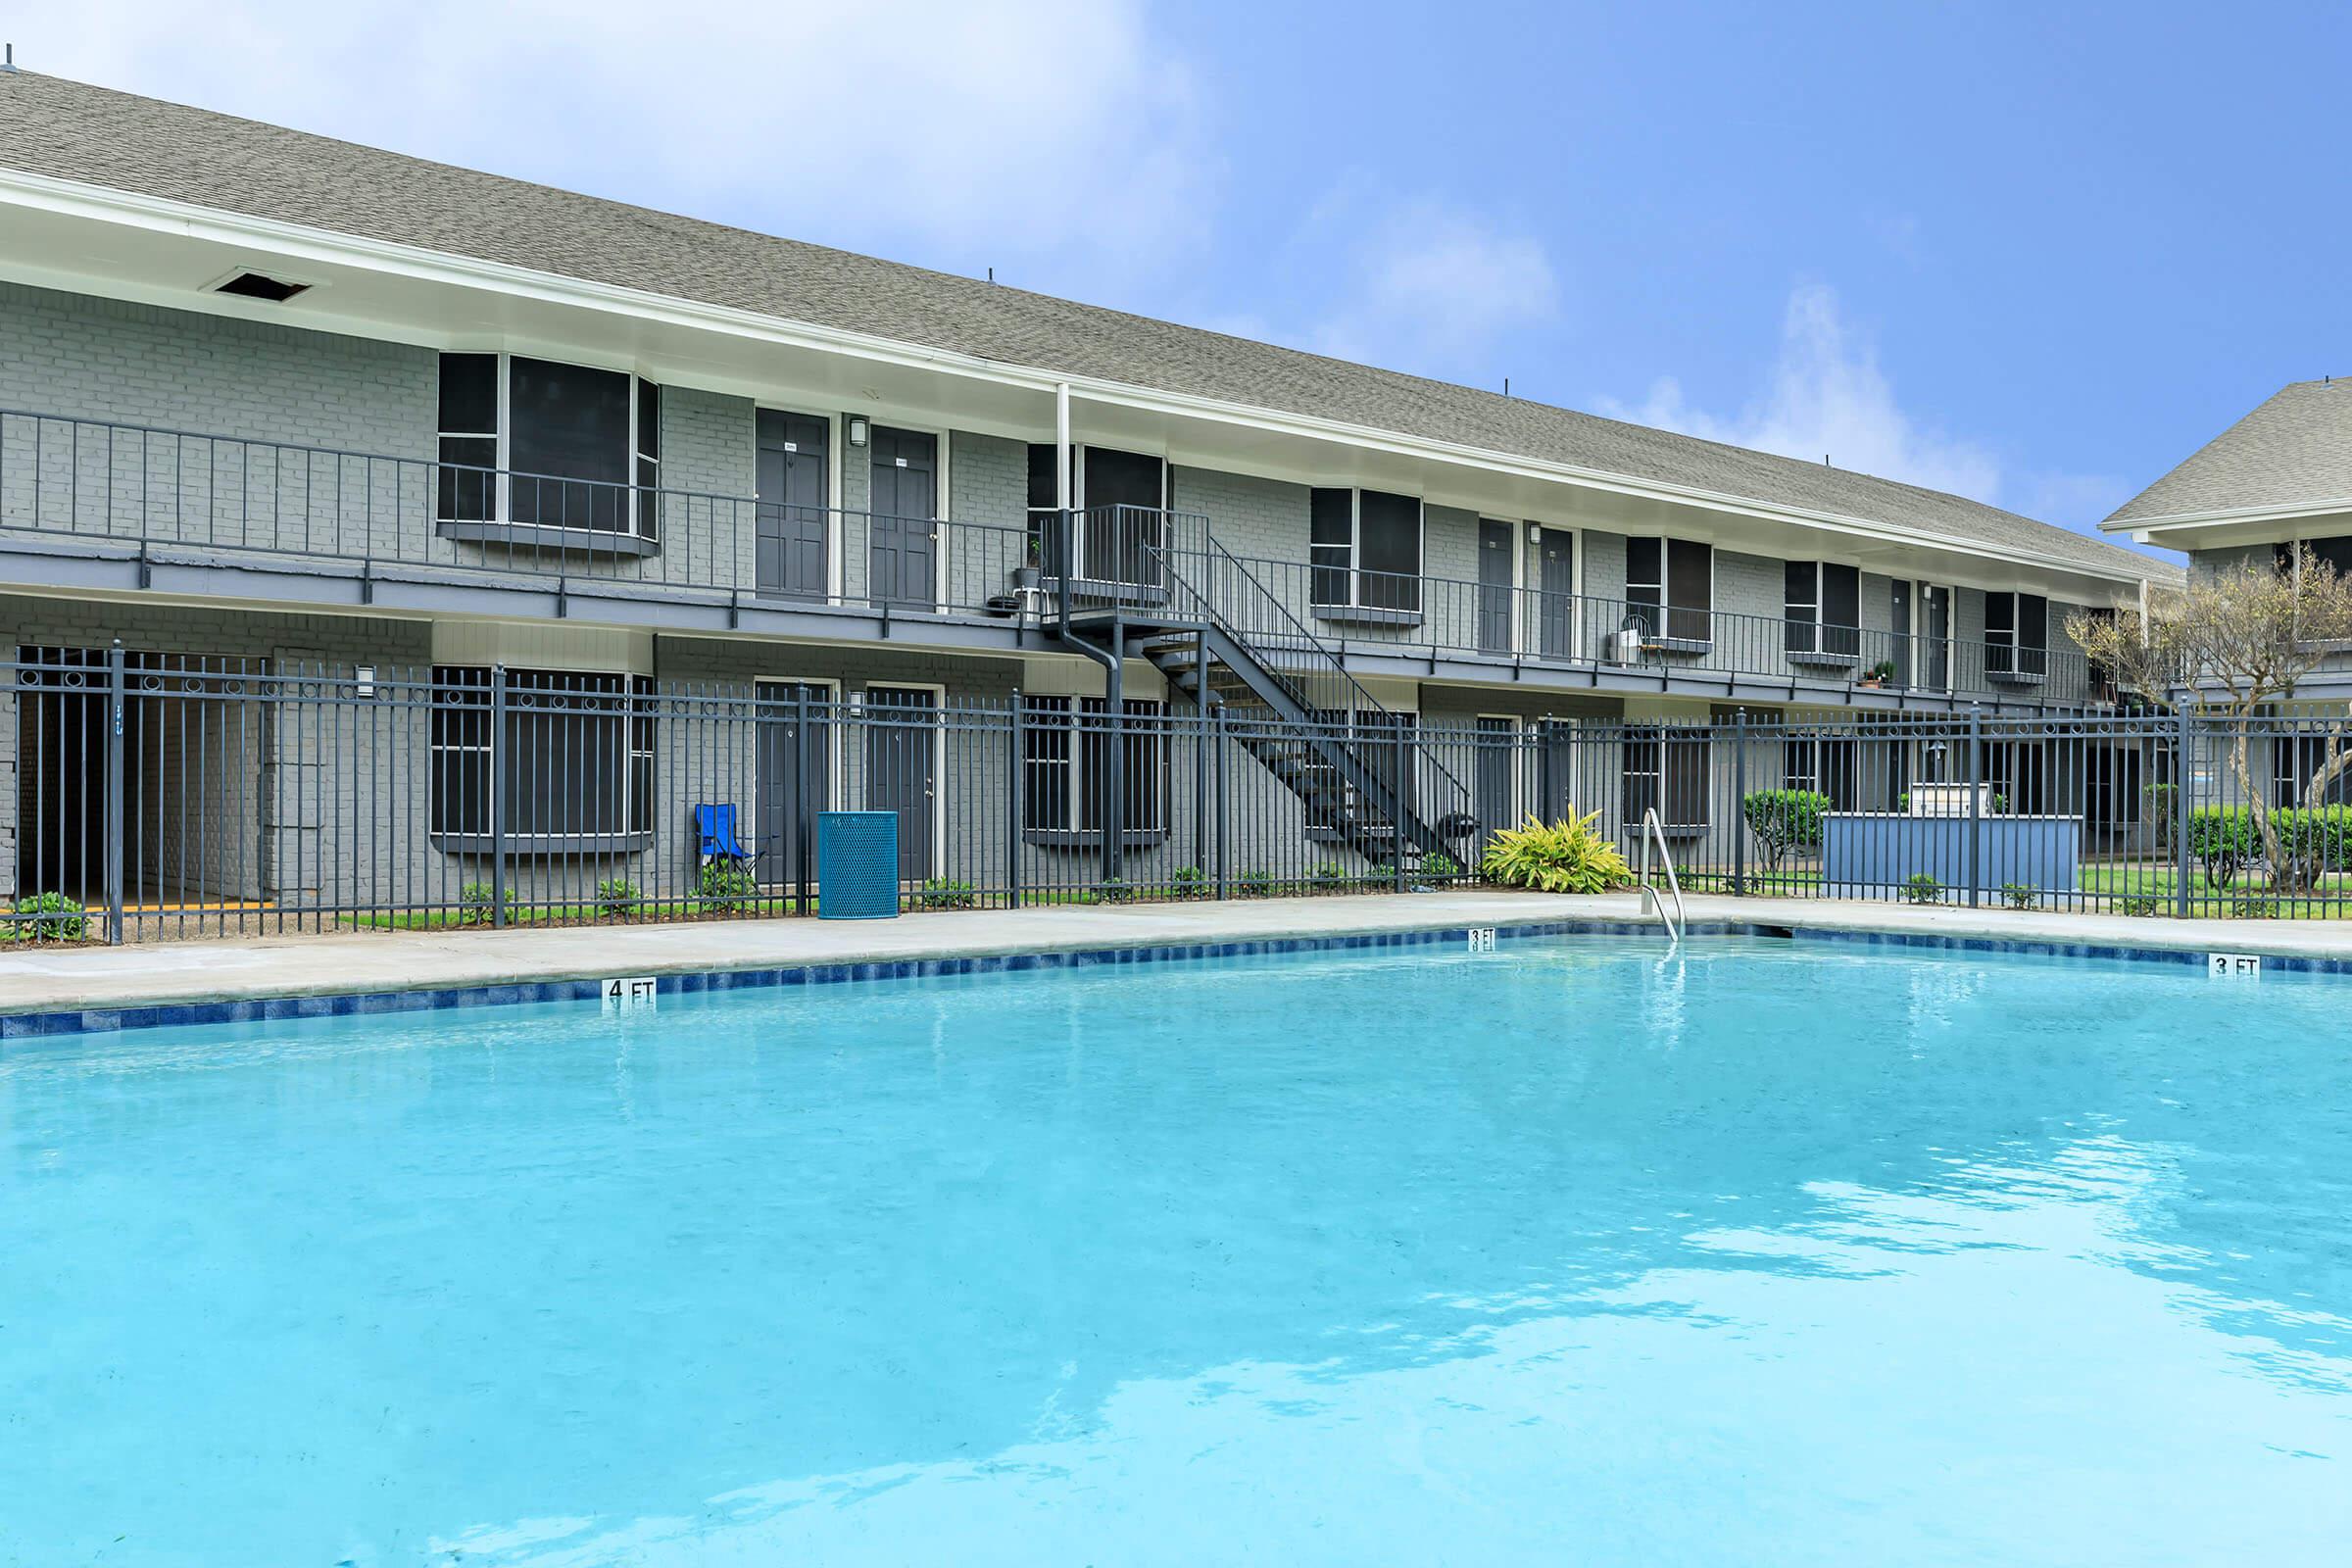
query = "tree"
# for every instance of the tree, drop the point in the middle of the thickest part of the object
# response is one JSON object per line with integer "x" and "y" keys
{"x": 2232, "y": 645}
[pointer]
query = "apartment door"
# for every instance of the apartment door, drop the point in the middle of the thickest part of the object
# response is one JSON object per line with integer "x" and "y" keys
{"x": 1899, "y": 624}
{"x": 1936, "y": 638}
{"x": 793, "y": 475}
{"x": 904, "y": 551}
{"x": 1494, "y": 586}
{"x": 793, "y": 780}
{"x": 902, "y": 768}
{"x": 1555, "y": 554}
{"x": 1491, "y": 776}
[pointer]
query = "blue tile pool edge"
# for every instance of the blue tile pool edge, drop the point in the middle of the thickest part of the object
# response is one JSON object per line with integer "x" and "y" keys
{"x": 20, "y": 1026}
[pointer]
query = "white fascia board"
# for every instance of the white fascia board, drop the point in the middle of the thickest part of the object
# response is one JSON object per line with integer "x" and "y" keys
{"x": 2141, "y": 527}
{"x": 159, "y": 214}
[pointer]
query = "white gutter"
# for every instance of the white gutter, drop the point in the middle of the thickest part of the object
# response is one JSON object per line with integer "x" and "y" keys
{"x": 159, "y": 214}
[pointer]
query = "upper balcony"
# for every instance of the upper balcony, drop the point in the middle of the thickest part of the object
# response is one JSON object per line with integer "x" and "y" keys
{"x": 1425, "y": 624}
{"x": 97, "y": 506}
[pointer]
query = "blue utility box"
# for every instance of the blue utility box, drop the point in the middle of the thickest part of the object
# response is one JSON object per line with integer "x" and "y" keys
{"x": 856, "y": 865}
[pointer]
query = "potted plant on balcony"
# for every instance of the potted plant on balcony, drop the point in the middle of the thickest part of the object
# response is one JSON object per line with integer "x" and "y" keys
{"x": 1029, "y": 573}
{"x": 1878, "y": 675}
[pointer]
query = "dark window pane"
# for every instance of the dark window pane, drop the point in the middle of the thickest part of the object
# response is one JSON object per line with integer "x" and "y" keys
{"x": 469, "y": 393}
{"x": 1331, "y": 516}
{"x": 1645, "y": 571}
{"x": 1841, "y": 609}
{"x": 1121, "y": 479}
{"x": 1689, "y": 587}
{"x": 2336, "y": 552}
{"x": 569, "y": 423}
{"x": 649, "y": 421}
{"x": 2032, "y": 620}
{"x": 1332, "y": 532}
{"x": 468, "y": 489}
{"x": 2000, "y": 613}
{"x": 1800, "y": 589}
{"x": 1388, "y": 551}
{"x": 1042, "y": 490}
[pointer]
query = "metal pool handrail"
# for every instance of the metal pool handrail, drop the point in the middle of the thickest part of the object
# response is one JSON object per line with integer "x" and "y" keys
{"x": 1654, "y": 832}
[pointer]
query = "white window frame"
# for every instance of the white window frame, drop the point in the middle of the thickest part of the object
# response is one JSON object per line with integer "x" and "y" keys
{"x": 1665, "y": 606}
{"x": 1354, "y": 569}
{"x": 635, "y": 688}
{"x": 2016, "y": 643}
{"x": 1077, "y": 785}
{"x": 503, "y": 469}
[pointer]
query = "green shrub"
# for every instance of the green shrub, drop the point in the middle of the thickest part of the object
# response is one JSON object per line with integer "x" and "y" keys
{"x": 1326, "y": 874}
{"x": 1785, "y": 820}
{"x": 2164, "y": 811}
{"x": 1439, "y": 867}
{"x": 2142, "y": 906}
{"x": 2223, "y": 840}
{"x": 1923, "y": 888}
{"x": 1113, "y": 890}
{"x": 1563, "y": 857}
{"x": 617, "y": 900}
{"x": 940, "y": 893}
{"x": 49, "y": 917}
{"x": 725, "y": 886}
{"x": 2018, "y": 895}
{"x": 1257, "y": 884}
{"x": 2251, "y": 908}
{"x": 1380, "y": 874}
{"x": 477, "y": 903}
{"x": 1188, "y": 882}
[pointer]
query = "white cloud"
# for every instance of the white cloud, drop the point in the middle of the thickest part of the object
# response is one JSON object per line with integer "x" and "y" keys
{"x": 1429, "y": 287}
{"x": 1021, "y": 128}
{"x": 1827, "y": 396}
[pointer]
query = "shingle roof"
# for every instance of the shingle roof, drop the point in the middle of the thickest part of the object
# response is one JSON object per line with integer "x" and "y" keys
{"x": 92, "y": 135}
{"x": 2292, "y": 451}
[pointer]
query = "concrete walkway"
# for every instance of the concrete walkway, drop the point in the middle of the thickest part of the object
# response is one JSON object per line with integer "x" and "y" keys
{"x": 58, "y": 979}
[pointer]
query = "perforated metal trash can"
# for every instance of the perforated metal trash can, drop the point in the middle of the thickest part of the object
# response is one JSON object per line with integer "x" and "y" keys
{"x": 856, "y": 865}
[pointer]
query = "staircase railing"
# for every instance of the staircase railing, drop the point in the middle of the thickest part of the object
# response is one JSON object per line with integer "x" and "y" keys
{"x": 1174, "y": 552}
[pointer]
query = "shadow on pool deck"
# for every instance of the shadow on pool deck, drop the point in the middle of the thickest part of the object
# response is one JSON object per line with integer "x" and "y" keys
{"x": 35, "y": 979}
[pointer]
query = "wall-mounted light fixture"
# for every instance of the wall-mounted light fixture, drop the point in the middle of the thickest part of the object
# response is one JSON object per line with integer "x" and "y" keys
{"x": 365, "y": 682}
{"x": 1535, "y": 533}
{"x": 859, "y": 429}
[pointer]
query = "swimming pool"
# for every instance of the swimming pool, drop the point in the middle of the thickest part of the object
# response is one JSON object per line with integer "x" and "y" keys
{"x": 1778, "y": 1251}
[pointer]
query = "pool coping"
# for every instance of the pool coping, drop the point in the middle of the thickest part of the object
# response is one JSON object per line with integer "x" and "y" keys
{"x": 1616, "y": 916}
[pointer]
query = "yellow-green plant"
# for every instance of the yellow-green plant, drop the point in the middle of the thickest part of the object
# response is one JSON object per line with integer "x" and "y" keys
{"x": 1563, "y": 857}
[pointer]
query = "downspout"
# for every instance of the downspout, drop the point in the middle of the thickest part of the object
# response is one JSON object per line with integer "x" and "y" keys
{"x": 1064, "y": 547}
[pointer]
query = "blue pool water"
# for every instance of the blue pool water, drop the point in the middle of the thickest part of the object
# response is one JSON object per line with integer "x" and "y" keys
{"x": 1782, "y": 1252}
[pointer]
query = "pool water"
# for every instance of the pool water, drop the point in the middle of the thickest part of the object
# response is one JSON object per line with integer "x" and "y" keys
{"x": 1794, "y": 1252}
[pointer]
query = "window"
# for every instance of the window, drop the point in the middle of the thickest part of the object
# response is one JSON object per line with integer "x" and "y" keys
{"x": 2295, "y": 760}
{"x": 2016, "y": 636}
{"x": 574, "y": 759}
{"x": 1823, "y": 609}
{"x": 579, "y": 447}
{"x": 1827, "y": 765}
{"x": 1364, "y": 547}
{"x": 2019, "y": 772}
{"x": 1666, "y": 770}
{"x": 1066, "y": 750}
{"x": 2336, "y": 552}
{"x": 1669, "y": 588}
{"x": 1124, "y": 497}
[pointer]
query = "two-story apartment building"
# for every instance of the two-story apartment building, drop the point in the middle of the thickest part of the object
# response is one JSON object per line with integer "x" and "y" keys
{"x": 271, "y": 402}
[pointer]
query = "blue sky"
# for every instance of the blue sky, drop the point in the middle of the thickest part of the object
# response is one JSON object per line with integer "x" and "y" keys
{"x": 2034, "y": 254}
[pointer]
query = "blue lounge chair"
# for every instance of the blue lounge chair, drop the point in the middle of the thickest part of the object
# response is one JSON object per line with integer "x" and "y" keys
{"x": 715, "y": 827}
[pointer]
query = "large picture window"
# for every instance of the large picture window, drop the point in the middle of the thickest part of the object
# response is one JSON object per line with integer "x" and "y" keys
{"x": 1821, "y": 607}
{"x": 2016, "y": 636}
{"x": 573, "y": 760}
{"x": 1066, "y": 752}
{"x": 1666, "y": 770}
{"x": 1669, "y": 589}
{"x": 548, "y": 445}
{"x": 1364, "y": 549}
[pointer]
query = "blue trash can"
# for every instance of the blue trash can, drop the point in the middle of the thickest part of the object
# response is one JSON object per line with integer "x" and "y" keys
{"x": 856, "y": 865}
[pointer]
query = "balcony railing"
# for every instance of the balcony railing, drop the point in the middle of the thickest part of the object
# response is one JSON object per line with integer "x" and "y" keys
{"x": 1431, "y": 617}
{"x": 278, "y": 502}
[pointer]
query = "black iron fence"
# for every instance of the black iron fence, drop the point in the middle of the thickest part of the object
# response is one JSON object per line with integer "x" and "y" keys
{"x": 147, "y": 796}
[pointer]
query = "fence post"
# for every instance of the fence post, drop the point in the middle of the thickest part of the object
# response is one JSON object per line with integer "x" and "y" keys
{"x": 1217, "y": 721}
{"x": 803, "y": 801}
{"x": 498, "y": 793}
{"x": 1396, "y": 796}
{"x": 1976, "y": 801}
{"x": 1019, "y": 811}
{"x": 1739, "y": 803}
{"x": 2182, "y": 773}
{"x": 115, "y": 701}
{"x": 1114, "y": 771}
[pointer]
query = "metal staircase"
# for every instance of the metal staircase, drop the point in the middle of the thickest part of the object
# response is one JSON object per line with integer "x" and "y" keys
{"x": 1224, "y": 641}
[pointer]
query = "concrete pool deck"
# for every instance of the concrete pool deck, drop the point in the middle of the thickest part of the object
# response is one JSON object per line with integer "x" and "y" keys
{"x": 51, "y": 980}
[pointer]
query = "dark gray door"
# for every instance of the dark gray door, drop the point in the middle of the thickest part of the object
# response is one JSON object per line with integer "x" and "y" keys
{"x": 1557, "y": 581}
{"x": 904, "y": 505}
{"x": 902, "y": 742}
{"x": 1492, "y": 777}
{"x": 793, "y": 780}
{"x": 792, "y": 478}
{"x": 1900, "y": 622}
{"x": 1935, "y": 648}
{"x": 1493, "y": 586}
